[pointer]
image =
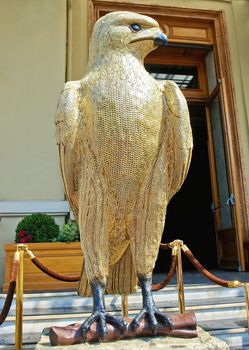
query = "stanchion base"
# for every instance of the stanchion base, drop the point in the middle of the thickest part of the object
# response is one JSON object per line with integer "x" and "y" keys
{"x": 204, "y": 341}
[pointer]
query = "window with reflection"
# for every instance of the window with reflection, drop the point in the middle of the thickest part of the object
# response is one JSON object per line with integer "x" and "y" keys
{"x": 186, "y": 77}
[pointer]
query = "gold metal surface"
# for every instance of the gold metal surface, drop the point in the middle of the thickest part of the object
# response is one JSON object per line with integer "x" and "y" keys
{"x": 184, "y": 247}
{"x": 179, "y": 275}
{"x": 177, "y": 242}
{"x": 124, "y": 305}
{"x": 175, "y": 250}
{"x": 246, "y": 289}
{"x": 21, "y": 246}
{"x": 234, "y": 284}
{"x": 125, "y": 146}
{"x": 30, "y": 254}
{"x": 19, "y": 298}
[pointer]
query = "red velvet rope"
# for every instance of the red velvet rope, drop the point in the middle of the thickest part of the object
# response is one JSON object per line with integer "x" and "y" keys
{"x": 76, "y": 278}
{"x": 53, "y": 274}
{"x": 205, "y": 272}
{"x": 165, "y": 246}
{"x": 168, "y": 277}
{"x": 155, "y": 287}
{"x": 10, "y": 294}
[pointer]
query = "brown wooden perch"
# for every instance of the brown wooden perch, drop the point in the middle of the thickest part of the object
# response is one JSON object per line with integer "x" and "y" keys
{"x": 184, "y": 326}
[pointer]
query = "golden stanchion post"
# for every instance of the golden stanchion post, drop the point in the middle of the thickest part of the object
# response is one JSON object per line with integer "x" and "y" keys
{"x": 181, "y": 300}
{"x": 124, "y": 305}
{"x": 19, "y": 297}
{"x": 246, "y": 288}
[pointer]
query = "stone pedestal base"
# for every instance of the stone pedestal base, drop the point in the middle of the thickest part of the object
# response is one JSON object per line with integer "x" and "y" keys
{"x": 203, "y": 342}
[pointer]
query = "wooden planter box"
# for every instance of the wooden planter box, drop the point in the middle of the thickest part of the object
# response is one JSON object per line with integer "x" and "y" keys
{"x": 63, "y": 258}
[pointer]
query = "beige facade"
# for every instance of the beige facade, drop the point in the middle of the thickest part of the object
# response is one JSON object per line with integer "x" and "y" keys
{"x": 34, "y": 64}
{"x": 32, "y": 73}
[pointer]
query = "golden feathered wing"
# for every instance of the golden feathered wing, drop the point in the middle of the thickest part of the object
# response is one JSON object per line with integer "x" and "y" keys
{"x": 68, "y": 119}
{"x": 165, "y": 178}
{"x": 178, "y": 139}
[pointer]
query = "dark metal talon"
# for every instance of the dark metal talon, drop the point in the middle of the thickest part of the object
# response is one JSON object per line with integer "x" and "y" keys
{"x": 136, "y": 321}
{"x": 152, "y": 322}
{"x": 134, "y": 324}
{"x": 102, "y": 318}
{"x": 117, "y": 322}
{"x": 84, "y": 330}
{"x": 154, "y": 330}
{"x": 102, "y": 326}
{"x": 85, "y": 327}
{"x": 153, "y": 317}
{"x": 149, "y": 311}
{"x": 164, "y": 319}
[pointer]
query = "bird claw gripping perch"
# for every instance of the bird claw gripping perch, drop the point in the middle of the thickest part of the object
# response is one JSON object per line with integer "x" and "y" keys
{"x": 153, "y": 315}
{"x": 149, "y": 311}
{"x": 100, "y": 316}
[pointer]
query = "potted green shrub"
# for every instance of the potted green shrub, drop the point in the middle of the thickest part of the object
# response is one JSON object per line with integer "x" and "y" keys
{"x": 37, "y": 228}
{"x": 57, "y": 248}
{"x": 69, "y": 233}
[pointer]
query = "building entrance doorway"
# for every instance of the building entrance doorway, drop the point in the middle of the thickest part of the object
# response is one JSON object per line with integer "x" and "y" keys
{"x": 189, "y": 215}
{"x": 201, "y": 214}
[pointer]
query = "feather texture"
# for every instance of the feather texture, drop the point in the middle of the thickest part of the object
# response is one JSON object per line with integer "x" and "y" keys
{"x": 125, "y": 147}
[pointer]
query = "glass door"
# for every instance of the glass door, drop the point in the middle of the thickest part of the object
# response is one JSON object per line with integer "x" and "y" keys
{"x": 222, "y": 192}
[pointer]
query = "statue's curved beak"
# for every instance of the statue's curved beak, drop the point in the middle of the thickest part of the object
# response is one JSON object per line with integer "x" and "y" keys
{"x": 160, "y": 40}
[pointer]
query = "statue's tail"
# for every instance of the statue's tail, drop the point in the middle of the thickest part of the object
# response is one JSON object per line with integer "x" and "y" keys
{"x": 121, "y": 279}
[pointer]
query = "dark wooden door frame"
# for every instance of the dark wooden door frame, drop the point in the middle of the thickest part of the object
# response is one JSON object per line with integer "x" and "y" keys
{"x": 213, "y": 22}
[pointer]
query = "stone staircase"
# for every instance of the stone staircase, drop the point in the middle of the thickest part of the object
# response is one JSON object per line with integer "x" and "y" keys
{"x": 218, "y": 310}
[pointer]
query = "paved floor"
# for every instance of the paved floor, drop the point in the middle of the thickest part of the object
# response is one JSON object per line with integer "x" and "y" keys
{"x": 195, "y": 277}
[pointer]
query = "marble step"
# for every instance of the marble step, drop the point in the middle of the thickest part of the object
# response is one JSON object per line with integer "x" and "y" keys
{"x": 136, "y": 305}
{"x": 235, "y": 338}
{"x": 212, "y": 302}
{"x": 168, "y": 296}
{"x": 210, "y": 317}
{"x": 218, "y": 310}
{"x": 203, "y": 313}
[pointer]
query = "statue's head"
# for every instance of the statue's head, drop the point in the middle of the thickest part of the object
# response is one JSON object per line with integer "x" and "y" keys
{"x": 126, "y": 32}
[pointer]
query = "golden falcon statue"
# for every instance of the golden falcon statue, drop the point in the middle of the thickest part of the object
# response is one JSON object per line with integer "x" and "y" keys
{"x": 125, "y": 146}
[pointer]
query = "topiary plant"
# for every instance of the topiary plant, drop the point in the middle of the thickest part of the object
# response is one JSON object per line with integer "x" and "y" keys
{"x": 37, "y": 228}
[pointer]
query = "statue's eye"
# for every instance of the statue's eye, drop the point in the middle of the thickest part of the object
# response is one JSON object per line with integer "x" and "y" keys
{"x": 135, "y": 27}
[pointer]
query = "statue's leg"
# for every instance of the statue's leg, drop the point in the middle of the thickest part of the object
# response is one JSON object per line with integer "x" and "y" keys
{"x": 149, "y": 310}
{"x": 94, "y": 229}
{"x": 100, "y": 315}
{"x": 144, "y": 251}
{"x": 149, "y": 218}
